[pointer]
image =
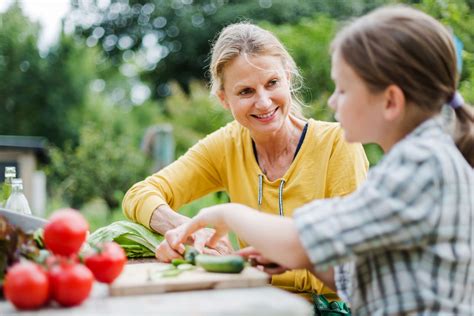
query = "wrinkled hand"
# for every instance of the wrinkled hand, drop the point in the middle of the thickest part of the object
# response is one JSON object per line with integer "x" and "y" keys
{"x": 212, "y": 238}
{"x": 201, "y": 237}
{"x": 257, "y": 260}
{"x": 164, "y": 252}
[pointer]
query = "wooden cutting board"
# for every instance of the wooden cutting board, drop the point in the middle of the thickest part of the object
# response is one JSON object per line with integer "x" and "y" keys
{"x": 144, "y": 278}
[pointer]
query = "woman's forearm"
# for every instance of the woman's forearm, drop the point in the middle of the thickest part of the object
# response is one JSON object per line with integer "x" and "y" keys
{"x": 165, "y": 218}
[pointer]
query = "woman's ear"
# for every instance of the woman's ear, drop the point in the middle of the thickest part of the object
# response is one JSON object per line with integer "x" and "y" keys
{"x": 394, "y": 103}
{"x": 223, "y": 99}
{"x": 288, "y": 74}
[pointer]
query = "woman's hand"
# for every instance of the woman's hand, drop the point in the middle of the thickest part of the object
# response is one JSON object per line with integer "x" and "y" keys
{"x": 214, "y": 216}
{"x": 257, "y": 260}
{"x": 165, "y": 253}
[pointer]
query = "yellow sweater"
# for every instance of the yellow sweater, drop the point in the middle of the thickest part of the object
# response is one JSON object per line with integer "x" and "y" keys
{"x": 325, "y": 166}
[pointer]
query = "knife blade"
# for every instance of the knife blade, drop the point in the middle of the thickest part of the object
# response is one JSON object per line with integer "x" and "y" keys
{"x": 28, "y": 223}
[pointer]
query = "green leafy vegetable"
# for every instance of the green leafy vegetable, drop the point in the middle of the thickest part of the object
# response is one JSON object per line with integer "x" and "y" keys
{"x": 14, "y": 243}
{"x": 135, "y": 239}
{"x": 38, "y": 238}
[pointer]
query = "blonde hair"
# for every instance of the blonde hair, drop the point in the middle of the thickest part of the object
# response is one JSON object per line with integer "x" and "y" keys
{"x": 406, "y": 47}
{"x": 244, "y": 39}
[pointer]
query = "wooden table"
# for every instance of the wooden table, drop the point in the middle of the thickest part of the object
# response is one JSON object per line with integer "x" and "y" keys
{"x": 251, "y": 301}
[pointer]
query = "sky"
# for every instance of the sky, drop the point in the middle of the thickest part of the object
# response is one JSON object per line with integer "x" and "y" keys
{"x": 47, "y": 12}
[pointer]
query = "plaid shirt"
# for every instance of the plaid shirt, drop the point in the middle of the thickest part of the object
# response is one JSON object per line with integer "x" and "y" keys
{"x": 409, "y": 230}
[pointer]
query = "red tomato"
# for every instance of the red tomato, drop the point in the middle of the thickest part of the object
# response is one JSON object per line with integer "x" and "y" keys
{"x": 26, "y": 285}
{"x": 107, "y": 263}
{"x": 65, "y": 232}
{"x": 50, "y": 261}
{"x": 71, "y": 283}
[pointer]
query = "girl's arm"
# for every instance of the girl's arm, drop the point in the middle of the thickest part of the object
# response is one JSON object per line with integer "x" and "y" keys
{"x": 275, "y": 237}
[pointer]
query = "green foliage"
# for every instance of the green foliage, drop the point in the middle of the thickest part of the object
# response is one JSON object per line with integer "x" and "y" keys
{"x": 193, "y": 117}
{"x": 20, "y": 69}
{"x": 71, "y": 67}
{"x": 183, "y": 30}
{"x": 466, "y": 86}
{"x": 105, "y": 163}
{"x": 42, "y": 96}
{"x": 193, "y": 208}
{"x": 459, "y": 16}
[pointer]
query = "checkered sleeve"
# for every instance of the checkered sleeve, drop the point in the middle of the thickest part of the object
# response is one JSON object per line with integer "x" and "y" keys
{"x": 343, "y": 279}
{"x": 397, "y": 206}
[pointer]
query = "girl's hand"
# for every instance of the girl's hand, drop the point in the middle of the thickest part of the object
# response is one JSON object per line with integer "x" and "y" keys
{"x": 214, "y": 216}
{"x": 262, "y": 263}
{"x": 222, "y": 247}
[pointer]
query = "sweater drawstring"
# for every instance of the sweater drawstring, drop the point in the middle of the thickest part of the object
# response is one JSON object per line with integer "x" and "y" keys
{"x": 280, "y": 197}
{"x": 280, "y": 194}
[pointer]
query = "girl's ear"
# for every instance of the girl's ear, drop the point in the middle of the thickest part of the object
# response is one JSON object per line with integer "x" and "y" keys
{"x": 223, "y": 99}
{"x": 394, "y": 103}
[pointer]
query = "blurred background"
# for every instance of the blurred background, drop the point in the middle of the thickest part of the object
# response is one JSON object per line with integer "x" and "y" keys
{"x": 97, "y": 94}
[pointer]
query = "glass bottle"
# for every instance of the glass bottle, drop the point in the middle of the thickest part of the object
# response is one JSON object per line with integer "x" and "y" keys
{"x": 10, "y": 174}
{"x": 17, "y": 200}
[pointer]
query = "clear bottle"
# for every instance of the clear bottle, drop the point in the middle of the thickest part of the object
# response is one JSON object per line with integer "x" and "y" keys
{"x": 10, "y": 174}
{"x": 17, "y": 200}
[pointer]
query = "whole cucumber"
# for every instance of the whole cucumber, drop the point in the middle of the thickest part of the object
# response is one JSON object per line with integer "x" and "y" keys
{"x": 221, "y": 264}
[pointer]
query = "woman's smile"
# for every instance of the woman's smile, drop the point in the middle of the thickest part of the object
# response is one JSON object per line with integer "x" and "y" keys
{"x": 266, "y": 117}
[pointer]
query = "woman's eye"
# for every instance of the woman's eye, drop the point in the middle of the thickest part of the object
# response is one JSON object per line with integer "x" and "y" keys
{"x": 273, "y": 82}
{"x": 245, "y": 91}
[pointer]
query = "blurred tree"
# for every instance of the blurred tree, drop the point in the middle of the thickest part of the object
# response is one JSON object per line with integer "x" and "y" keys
{"x": 41, "y": 96}
{"x": 21, "y": 69}
{"x": 70, "y": 69}
{"x": 196, "y": 116}
{"x": 459, "y": 16}
{"x": 106, "y": 162}
{"x": 170, "y": 39}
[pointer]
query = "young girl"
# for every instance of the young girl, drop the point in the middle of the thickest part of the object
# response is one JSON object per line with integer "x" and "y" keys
{"x": 410, "y": 227}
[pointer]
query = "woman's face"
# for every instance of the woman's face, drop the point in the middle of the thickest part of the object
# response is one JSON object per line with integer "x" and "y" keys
{"x": 257, "y": 91}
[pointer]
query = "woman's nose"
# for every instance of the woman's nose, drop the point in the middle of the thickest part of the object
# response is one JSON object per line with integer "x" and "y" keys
{"x": 263, "y": 100}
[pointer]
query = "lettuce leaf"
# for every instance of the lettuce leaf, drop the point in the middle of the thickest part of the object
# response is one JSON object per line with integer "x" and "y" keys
{"x": 135, "y": 239}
